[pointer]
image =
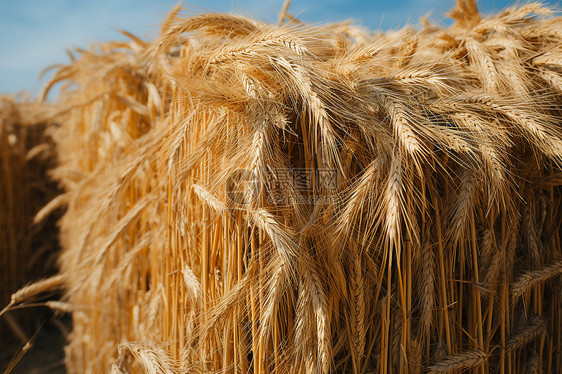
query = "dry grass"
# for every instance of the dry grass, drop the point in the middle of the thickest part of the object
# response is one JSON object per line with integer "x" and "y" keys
{"x": 436, "y": 249}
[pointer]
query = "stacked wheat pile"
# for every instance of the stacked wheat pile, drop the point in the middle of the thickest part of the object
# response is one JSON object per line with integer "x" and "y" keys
{"x": 27, "y": 251}
{"x": 401, "y": 214}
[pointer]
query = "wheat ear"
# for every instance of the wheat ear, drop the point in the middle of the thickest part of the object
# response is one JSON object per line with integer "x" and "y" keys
{"x": 461, "y": 361}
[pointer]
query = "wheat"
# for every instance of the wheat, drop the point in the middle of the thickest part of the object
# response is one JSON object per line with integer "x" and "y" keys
{"x": 394, "y": 201}
{"x": 44, "y": 285}
{"x": 244, "y": 197}
{"x": 152, "y": 361}
{"x": 27, "y": 248}
{"x": 462, "y": 207}
{"x": 483, "y": 63}
{"x": 357, "y": 309}
{"x": 535, "y": 327}
{"x": 427, "y": 287}
{"x": 534, "y": 365}
{"x": 532, "y": 278}
{"x": 465, "y": 360}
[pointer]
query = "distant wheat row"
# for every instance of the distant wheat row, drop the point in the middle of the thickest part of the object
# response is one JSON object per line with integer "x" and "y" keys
{"x": 27, "y": 252}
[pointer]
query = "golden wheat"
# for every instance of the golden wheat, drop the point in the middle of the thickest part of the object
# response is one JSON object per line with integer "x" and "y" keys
{"x": 243, "y": 197}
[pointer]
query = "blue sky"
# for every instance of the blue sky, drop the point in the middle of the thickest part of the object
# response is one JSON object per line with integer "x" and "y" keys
{"x": 35, "y": 33}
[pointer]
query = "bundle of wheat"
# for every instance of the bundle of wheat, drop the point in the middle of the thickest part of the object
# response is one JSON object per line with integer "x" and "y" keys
{"x": 246, "y": 197}
{"x": 27, "y": 252}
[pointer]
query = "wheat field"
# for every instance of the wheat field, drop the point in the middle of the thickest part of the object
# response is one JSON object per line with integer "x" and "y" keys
{"x": 27, "y": 252}
{"x": 246, "y": 197}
